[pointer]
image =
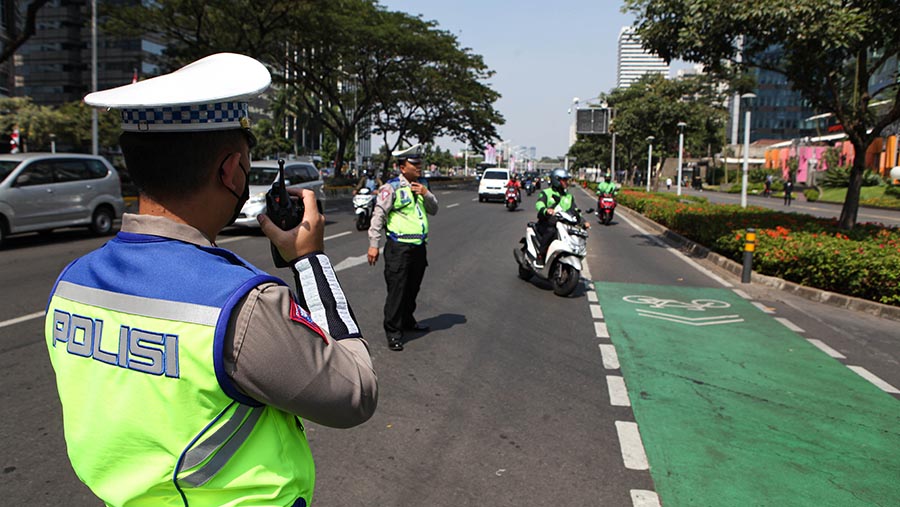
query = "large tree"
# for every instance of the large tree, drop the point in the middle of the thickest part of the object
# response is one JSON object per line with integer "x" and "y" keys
{"x": 344, "y": 62}
{"x": 830, "y": 52}
{"x": 653, "y": 106}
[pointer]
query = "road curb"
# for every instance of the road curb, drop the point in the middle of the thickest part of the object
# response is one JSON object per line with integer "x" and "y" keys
{"x": 810, "y": 293}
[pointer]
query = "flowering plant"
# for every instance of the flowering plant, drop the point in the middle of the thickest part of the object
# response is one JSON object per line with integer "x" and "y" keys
{"x": 811, "y": 251}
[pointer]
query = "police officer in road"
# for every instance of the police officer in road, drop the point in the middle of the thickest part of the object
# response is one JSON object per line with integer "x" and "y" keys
{"x": 183, "y": 370}
{"x": 401, "y": 209}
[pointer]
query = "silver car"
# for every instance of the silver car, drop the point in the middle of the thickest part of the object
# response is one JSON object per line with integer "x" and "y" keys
{"x": 45, "y": 191}
{"x": 263, "y": 173}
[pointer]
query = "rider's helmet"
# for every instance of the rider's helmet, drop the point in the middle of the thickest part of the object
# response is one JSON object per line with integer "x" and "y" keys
{"x": 556, "y": 175}
{"x": 370, "y": 173}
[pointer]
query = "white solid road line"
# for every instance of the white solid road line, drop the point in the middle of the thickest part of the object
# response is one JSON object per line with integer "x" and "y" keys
{"x": 23, "y": 318}
{"x": 600, "y": 330}
{"x": 618, "y": 394}
{"x": 880, "y": 384}
{"x": 644, "y": 498}
{"x": 633, "y": 454}
{"x": 819, "y": 344}
{"x": 610, "y": 358}
{"x": 240, "y": 238}
{"x": 338, "y": 235}
{"x": 344, "y": 264}
{"x": 676, "y": 253}
{"x": 453, "y": 205}
{"x": 790, "y": 325}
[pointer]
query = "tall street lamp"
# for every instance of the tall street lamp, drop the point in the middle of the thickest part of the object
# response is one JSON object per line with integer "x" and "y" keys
{"x": 681, "y": 126}
{"x": 649, "y": 158}
{"x": 746, "y": 167}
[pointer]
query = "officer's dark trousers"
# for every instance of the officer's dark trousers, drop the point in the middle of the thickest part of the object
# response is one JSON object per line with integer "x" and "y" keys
{"x": 404, "y": 267}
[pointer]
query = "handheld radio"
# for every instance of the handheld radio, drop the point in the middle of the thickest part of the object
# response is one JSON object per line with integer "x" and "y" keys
{"x": 283, "y": 211}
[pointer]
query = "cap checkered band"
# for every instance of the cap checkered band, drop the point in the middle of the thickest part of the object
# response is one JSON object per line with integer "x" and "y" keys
{"x": 216, "y": 116}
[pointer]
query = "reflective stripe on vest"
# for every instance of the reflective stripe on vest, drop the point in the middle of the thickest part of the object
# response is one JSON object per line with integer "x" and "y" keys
{"x": 407, "y": 222}
{"x": 146, "y": 415}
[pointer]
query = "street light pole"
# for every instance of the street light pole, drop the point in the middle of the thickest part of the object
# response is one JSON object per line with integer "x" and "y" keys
{"x": 746, "y": 167}
{"x": 95, "y": 143}
{"x": 681, "y": 126}
{"x": 649, "y": 158}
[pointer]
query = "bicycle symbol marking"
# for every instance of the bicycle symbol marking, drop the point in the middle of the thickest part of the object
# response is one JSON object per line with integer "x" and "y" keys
{"x": 698, "y": 305}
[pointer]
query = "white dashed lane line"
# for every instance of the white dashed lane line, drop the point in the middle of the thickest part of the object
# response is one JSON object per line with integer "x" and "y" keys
{"x": 618, "y": 394}
{"x": 790, "y": 325}
{"x": 763, "y": 308}
{"x": 23, "y": 318}
{"x": 871, "y": 377}
{"x": 633, "y": 454}
{"x": 453, "y": 205}
{"x": 819, "y": 344}
{"x": 644, "y": 498}
{"x": 610, "y": 357}
{"x": 596, "y": 312}
{"x": 742, "y": 294}
{"x": 600, "y": 330}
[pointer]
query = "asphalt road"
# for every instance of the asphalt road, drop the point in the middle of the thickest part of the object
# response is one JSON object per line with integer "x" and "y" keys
{"x": 510, "y": 399}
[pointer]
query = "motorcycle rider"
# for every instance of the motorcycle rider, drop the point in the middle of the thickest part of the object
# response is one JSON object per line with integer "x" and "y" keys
{"x": 607, "y": 187}
{"x": 551, "y": 199}
{"x": 514, "y": 183}
{"x": 368, "y": 181}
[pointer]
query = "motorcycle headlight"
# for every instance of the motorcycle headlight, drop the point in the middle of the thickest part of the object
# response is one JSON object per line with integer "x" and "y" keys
{"x": 578, "y": 231}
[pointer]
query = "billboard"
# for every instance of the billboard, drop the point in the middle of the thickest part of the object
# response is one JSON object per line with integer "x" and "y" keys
{"x": 592, "y": 121}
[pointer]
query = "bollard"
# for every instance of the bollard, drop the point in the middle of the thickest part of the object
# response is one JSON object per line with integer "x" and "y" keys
{"x": 749, "y": 247}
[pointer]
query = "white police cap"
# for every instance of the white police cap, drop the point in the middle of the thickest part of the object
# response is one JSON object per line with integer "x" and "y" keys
{"x": 414, "y": 152}
{"x": 209, "y": 94}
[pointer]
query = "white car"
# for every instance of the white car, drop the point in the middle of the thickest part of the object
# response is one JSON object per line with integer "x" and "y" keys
{"x": 263, "y": 173}
{"x": 493, "y": 184}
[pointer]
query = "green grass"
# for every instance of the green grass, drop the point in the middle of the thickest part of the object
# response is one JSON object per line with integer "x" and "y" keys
{"x": 872, "y": 196}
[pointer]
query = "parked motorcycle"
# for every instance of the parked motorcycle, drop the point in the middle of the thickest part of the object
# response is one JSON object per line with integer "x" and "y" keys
{"x": 562, "y": 265}
{"x": 363, "y": 206}
{"x": 512, "y": 198}
{"x": 606, "y": 206}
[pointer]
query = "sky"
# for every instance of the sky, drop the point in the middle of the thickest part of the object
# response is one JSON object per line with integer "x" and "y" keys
{"x": 544, "y": 53}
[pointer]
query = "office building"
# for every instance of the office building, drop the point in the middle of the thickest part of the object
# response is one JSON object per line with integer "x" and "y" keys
{"x": 54, "y": 66}
{"x": 633, "y": 61}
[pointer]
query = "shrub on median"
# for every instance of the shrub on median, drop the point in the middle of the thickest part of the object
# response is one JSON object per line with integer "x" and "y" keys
{"x": 864, "y": 262}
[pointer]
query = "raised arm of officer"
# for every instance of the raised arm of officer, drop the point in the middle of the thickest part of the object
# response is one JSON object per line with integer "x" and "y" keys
{"x": 313, "y": 363}
{"x": 428, "y": 198}
{"x": 384, "y": 202}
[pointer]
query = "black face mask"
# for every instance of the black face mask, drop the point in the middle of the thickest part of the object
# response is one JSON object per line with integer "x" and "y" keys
{"x": 243, "y": 198}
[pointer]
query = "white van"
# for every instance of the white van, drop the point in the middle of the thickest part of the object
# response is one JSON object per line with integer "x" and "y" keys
{"x": 263, "y": 173}
{"x": 493, "y": 184}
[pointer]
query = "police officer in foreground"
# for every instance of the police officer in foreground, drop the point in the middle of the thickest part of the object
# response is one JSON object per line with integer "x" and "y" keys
{"x": 183, "y": 370}
{"x": 551, "y": 199}
{"x": 401, "y": 209}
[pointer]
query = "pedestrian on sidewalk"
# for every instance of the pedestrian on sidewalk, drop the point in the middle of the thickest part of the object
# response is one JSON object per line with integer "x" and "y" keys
{"x": 668, "y": 183}
{"x": 788, "y": 190}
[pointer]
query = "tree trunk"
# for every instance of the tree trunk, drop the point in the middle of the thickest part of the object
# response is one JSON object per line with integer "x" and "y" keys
{"x": 851, "y": 202}
{"x": 339, "y": 156}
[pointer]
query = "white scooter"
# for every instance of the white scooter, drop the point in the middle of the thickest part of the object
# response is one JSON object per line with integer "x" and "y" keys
{"x": 363, "y": 206}
{"x": 562, "y": 267}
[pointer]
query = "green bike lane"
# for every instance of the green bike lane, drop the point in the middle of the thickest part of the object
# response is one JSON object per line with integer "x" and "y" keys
{"x": 734, "y": 409}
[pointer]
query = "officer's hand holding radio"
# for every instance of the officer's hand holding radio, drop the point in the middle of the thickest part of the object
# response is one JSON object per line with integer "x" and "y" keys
{"x": 305, "y": 238}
